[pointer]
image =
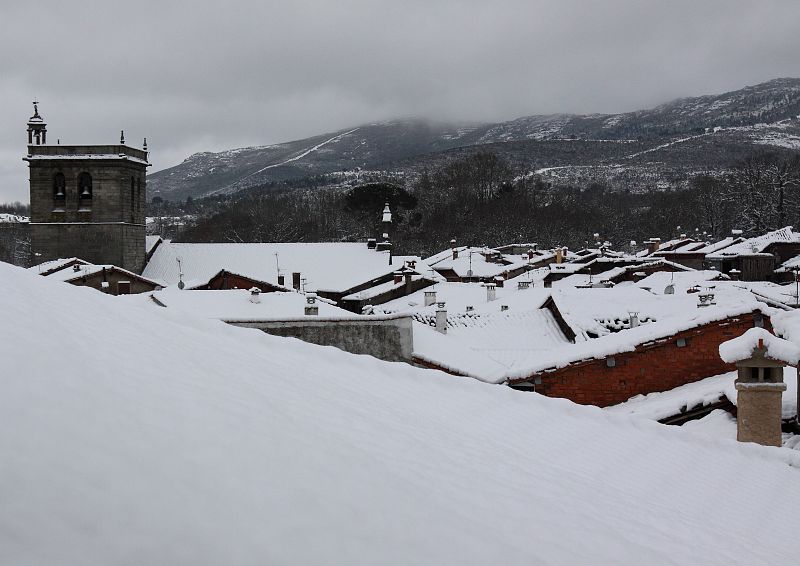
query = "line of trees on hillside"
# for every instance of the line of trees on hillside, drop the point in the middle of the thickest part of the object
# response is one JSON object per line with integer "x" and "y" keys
{"x": 481, "y": 200}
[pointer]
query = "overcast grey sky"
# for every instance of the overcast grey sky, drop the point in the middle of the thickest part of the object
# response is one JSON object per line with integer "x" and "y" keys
{"x": 207, "y": 76}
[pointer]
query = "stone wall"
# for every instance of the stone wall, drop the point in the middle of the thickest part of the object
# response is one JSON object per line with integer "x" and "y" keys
{"x": 384, "y": 337}
{"x": 119, "y": 244}
{"x": 659, "y": 366}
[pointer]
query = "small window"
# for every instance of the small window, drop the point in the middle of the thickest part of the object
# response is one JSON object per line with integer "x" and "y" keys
{"x": 611, "y": 362}
{"x": 681, "y": 343}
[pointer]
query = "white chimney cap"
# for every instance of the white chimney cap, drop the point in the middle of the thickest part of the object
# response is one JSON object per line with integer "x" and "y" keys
{"x": 387, "y": 213}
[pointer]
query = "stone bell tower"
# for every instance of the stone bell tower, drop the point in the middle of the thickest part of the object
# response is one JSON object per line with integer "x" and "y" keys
{"x": 87, "y": 201}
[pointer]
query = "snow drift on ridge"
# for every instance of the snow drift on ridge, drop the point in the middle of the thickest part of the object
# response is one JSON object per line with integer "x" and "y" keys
{"x": 130, "y": 435}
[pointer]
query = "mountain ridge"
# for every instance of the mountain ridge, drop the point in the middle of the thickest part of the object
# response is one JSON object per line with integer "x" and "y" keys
{"x": 740, "y": 121}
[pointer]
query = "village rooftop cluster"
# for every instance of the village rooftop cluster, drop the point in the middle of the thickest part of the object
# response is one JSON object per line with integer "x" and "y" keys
{"x": 336, "y": 402}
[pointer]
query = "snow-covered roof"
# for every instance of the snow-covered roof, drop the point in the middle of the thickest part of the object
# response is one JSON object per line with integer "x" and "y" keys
{"x": 598, "y": 311}
{"x": 713, "y": 247}
{"x": 235, "y": 304}
{"x": 433, "y": 347}
{"x": 151, "y": 242}
{"x": 601, "y": 311}
{"x": 663, "y": 404}
{"x": 758, "y": 244}
{"x": 743, "y": 347}
{"x": 8, "y": 217}
{"x": 56, "y": 264}
{"x": 325, "y": 266}
{"x": 458, "y": 296}
{"x": 379, "y": 289}
{"x": 475, "y": 260}
{"x": 771, "y": 292}
{"x": 86, "y": 269}
{"x": 680, "y": 280}
{"x": 174, "y": 439}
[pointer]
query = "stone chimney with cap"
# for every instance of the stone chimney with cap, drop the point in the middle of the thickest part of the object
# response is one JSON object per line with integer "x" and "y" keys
{"x": 441, "y": 318}
{"x": 454, "y": 248}
{"x": 311, "y": 309}
{"x": 430, "y": 298}
{"x": 491, "y": 292}
{"x": 760, "y": 358}
{"x": 652, "y": 245}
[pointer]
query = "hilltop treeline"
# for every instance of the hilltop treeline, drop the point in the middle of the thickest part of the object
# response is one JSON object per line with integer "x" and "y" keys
{"x": 481, "y": 200}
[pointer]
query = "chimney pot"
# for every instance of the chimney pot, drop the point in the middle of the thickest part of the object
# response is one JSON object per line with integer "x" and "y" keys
{"x": 430, "y": 298}
{"x": 491, "y": 292}
{"x": 441, "y": 318}
{"x": 296, "y": 280}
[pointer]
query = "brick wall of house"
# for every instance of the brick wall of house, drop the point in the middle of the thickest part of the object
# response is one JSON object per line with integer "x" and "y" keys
{"x": 657, "y": 367}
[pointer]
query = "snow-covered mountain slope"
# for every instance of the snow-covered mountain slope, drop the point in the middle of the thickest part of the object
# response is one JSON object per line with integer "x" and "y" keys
{"x": 583, "y": 141}
{"x": 132, "y": 435}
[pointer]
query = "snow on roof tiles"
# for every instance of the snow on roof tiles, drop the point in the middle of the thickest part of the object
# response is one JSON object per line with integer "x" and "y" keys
{"x": 671, "y": 314}
{"x": 758, "y": 244}
{"x": 325, "y": 266}
{"x": 235, "y": 304}
{"x": 663, "y": 404}
{"x": 192, "y": 438}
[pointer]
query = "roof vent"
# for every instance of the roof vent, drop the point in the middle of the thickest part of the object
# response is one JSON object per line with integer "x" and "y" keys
{"x": 254, "y": 295}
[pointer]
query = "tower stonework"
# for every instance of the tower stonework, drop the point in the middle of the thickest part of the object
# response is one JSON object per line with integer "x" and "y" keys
{"x": 87, "y": 201}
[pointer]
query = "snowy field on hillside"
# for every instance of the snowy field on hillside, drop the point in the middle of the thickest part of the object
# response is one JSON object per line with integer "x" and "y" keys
{"x": 135, "y": 435}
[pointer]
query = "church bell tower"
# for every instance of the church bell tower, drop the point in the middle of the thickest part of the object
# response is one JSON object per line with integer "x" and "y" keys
{"x": 87, "y": 201}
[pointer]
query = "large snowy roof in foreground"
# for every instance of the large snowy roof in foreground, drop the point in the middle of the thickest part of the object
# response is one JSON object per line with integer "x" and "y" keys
{"x": 325, "y": 266}
{"x": 138, "y": 435}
